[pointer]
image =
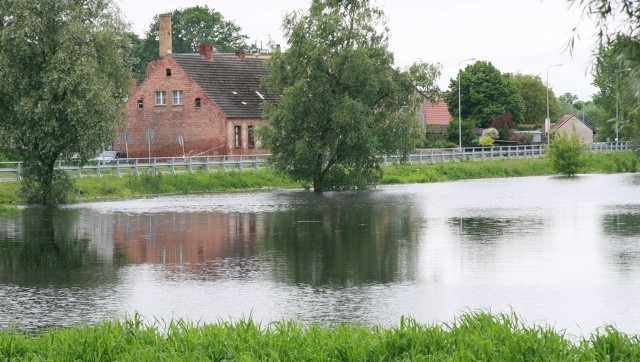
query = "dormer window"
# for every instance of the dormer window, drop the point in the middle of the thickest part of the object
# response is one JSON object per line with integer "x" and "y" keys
{"x": 140, "y": 104}
{"x": 168, "y": 72}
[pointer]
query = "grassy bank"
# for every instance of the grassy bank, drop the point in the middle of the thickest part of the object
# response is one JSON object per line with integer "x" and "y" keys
{"x": 477, "y": 336}
{"x": 88, "y": 189}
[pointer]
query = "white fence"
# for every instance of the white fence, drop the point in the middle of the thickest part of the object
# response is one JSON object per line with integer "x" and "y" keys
{"x": 10, "y": 171}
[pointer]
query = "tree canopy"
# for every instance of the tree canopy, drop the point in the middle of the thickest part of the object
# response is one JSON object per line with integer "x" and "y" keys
{"x": 64, "y": 77}
{"x": 485, "y": 94}
{"x": 534, "y": 96}
{"x": 618, "y": 48}
{"x": 342, "y": 105}
{"x": 190, "y": 28}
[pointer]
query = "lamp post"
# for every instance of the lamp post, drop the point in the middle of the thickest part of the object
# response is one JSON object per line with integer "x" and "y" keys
{"x": 460, "y": 103}
{"x": 547, "y": 122}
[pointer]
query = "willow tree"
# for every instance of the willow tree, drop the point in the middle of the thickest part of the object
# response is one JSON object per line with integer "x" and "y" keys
{"x": 343, "y": 105}
{"x": 64, "y": 76}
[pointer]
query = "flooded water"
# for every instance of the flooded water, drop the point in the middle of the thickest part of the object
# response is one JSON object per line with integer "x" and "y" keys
{"x": 560, "y": 252}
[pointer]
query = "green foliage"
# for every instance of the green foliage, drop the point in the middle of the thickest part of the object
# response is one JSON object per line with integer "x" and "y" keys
{"x": 424, "y": 76}
{"x": 615, "y": 95}
{"x": 423, "y": 173}
{"x": 9, "y": 209}
{"x": 473, "y": 336}
{"x": 468, "y": 132}
{"x": 621, "y": 38}
{"x": 486, "y": 141}
{"x": 190, "y": 28}
{"x": 567, "y": 153}
{"x": 64, "y": 77}
{"x": 343, "y": 104}
{"x": 485, "y": 94}
{"x": 534, "y": 96}
{"x": 41, "y": 187}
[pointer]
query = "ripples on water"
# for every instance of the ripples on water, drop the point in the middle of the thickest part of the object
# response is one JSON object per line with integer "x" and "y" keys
{"x": 564, "y": 252}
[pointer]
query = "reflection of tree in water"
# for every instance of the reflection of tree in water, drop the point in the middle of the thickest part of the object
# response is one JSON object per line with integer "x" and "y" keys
{"x": 344, "y": 239}
{"x": 622, "y": 230}
{"x": 44, "y": 246}
{"x": 487, "y": 230}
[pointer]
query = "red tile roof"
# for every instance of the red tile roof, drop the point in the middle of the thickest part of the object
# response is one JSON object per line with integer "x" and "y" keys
{"x": 437, "y": 113}
{"x": 562, "y": 121}
{"x": 566, "y": 119}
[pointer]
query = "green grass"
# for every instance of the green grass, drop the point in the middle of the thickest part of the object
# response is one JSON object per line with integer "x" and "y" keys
{"x": 423, "y": 173}
{"x": 9, "y": 209}
{"x": 474, "y": 336}
{"x": 131, "y": 186}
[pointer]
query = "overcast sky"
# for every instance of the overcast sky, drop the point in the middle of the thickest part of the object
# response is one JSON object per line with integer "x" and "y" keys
{"x": 525, "y": 36}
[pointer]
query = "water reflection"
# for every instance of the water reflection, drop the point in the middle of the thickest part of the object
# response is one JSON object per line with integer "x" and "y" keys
{"x": 622, "y": 226}
{"x": 344, "y": 239}
{"x": 54, "y": 269}
{"x": 489, "y": 230}
{"x": 318, "y": 240}
{"x": 556, "y": 251}
{"x": 51, "y": 246}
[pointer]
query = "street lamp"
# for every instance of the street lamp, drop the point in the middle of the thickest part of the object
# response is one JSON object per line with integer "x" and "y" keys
{"x": 547, "y": 122}
{"x": 460, "y": 103}
{"x": 618, "y": 100}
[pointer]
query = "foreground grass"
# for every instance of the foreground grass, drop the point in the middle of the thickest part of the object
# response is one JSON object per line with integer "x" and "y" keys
{"x": 88, "y": 189}
{"x": 476, "y": 336}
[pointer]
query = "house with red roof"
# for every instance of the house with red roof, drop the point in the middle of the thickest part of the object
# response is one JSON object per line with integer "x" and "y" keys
{"x": 433, "y": 117}
{"x": 207, "y": 102}
{"x": 570, "y": 124}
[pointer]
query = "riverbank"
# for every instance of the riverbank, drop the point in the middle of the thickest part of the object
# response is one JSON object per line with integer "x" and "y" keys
{"x": 106, "y": 188}
{"x": 474, "y": 336}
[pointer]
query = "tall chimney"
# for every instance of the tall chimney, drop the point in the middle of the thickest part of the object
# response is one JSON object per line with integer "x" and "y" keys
{"x": 165, "y": 34}
{"x": 206, "y": 50}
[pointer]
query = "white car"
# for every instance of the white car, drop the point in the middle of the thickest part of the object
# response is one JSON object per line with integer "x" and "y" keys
{"x": 106, "y": 157}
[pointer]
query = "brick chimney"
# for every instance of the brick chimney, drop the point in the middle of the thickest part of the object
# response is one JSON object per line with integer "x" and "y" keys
{"x": 206, "y": 50}
{"x": 165, "y": 34}
{"x": 240, "y": 53}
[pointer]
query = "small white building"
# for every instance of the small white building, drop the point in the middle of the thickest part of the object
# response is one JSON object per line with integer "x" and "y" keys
{"x": 536, "y": 136}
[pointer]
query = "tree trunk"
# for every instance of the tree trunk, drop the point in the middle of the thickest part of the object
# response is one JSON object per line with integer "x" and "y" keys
{"x": 318, "y": 185}
{"x": 47, "y": 184}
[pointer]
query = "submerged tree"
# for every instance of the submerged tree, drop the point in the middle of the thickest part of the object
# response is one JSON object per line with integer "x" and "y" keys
{"x": 567, "y": 153}
{"x": 342, "y": 105}
{"x": 64, "y": 76}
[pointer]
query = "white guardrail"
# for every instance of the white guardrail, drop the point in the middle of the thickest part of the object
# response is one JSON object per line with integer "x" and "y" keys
{"x": 10, "y": 171}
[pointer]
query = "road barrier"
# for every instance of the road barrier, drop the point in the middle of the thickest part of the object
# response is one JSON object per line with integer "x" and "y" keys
{"x": 10, "y": 171}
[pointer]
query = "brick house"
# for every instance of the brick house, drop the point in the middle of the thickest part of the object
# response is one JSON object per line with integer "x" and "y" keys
{"x": 209, "y": 102}
{"x": 433, "y": 118}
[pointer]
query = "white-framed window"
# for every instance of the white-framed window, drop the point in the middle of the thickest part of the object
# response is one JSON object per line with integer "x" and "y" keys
{"x": 237, "y": 136}
{"x": 161, "y": 98}
{"x": 178, "y": 97}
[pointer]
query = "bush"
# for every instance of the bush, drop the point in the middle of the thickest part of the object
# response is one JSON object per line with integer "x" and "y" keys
{"x": 567, "y": 154}
{"x": 490, "y": 132}
{"x": 486, "y": 141}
